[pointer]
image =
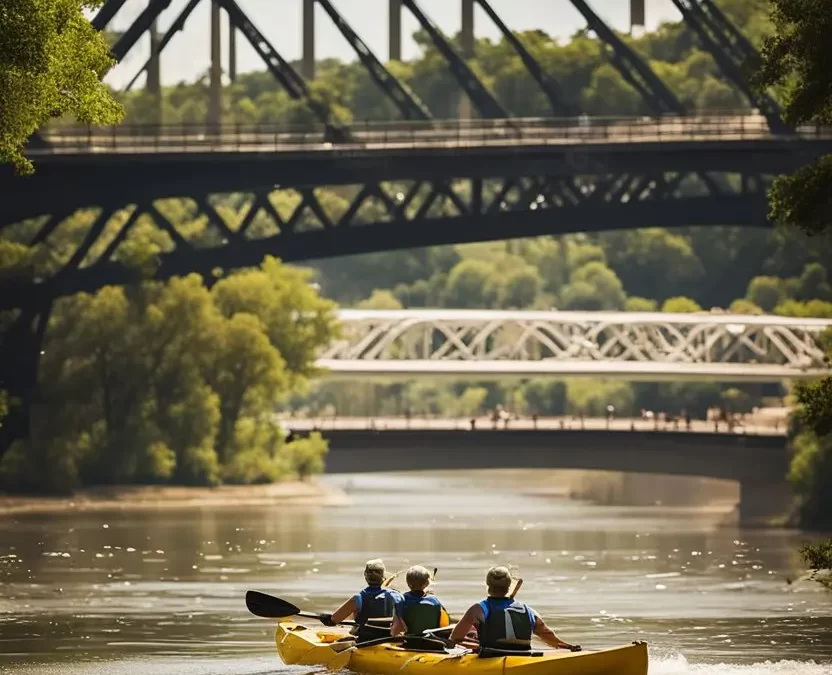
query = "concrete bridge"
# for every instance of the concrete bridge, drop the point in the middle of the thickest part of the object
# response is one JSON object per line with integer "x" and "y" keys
{"x": 758, "y": 463}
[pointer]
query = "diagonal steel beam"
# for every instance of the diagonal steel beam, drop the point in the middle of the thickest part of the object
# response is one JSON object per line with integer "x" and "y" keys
{"x": 718, "y": 36}
{"x": 102, "y": 19}
{"x": 557, "y": 100}
{"x": 175, "y": 27}
{"x": 631, "y": 66}
{"x": 403, "y": 98}
{"x": 142, "y": 24}
{"x": 483, "y": 99}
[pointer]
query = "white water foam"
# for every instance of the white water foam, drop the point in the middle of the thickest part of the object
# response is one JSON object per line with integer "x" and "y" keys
{"x": 679, "y": 665}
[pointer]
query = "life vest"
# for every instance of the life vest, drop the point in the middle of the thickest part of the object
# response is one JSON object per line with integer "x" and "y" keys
{"x": 420, "y": 612}
{"x": 374, "y": 602}
{"x": 506, "y": 624}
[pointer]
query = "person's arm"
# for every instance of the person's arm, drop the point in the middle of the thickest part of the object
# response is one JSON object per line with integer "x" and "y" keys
{"x": 466, "y": 623}
{"x": 343, "y": 612}
{"x": 398, "y": 626}
{"x": 548, "y": 636}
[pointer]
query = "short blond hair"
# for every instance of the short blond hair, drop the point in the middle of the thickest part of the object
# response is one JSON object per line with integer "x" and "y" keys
{"x": 374, "y": 572}
{"x": 498, "y": 579}
{"x": 418, "y": 577}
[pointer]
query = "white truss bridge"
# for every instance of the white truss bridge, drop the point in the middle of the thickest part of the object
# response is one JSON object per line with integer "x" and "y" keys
{"x": 648, "y": 346}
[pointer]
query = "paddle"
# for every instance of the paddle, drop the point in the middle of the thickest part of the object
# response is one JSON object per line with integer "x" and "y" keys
{"x": 516, "y": 588}
{"x": 270, "y": 607}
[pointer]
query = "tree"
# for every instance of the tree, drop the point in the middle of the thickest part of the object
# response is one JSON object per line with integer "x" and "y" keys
{"x": 520, "y": 288}
{"x": 765, "y": 292}
{"x": 51, "y": 64}
{"x": 380, "y": 299}
{"x": 743, "y": 306}
{"x": 819, "y": 559}
{"x": 680, "y": 305}
{"x": 797, "y": 58}
{"x": 604, "y": 281}
{"x": 470, "y": 285}
{"x": 637, "y": 304}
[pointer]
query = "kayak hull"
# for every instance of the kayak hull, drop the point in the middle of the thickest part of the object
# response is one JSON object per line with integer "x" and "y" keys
{"x": 301, "y": 645}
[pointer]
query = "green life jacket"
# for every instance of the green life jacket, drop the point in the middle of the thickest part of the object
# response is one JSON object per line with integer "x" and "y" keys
{"x": 419, "y": 611}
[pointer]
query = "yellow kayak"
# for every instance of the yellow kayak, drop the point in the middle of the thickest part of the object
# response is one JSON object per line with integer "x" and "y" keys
{"x": 301, "y": 645}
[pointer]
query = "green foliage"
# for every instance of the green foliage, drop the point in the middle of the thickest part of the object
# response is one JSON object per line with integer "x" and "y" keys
{"x": 637, "y": 304}
{"x": 810, "y": 475}
{"x": 818, "y": 558}
{"x": 173, "y": 382}
{"x": 743, "y": 306}
{"x": 681, "y": 305}
{"x": 380, "y": 300}
{"x": 471, "y": 401}
{"x": 51, "y": 64}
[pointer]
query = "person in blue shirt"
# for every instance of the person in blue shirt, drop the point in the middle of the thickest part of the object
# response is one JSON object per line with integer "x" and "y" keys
{"x": 418, "y": 610}
{"x": 502, "y": 622}
{"x": 374, "y": 603}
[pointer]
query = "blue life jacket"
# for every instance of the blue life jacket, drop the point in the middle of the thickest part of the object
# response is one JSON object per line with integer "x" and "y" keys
{"x": 374, "y": 602}
{"x": 506, "y": 624}
{"x": 420, "y": 612}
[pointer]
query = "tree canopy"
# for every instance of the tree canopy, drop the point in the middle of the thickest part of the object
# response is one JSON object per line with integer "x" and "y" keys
{"x": 51, "y": 64}
{"x": 796, "y": 58}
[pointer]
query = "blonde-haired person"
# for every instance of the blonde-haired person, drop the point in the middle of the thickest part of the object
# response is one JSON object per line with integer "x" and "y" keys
{"x": 502, "y": 622}
{"x": 418, "y": 610}
{"x": 373, "y": 602}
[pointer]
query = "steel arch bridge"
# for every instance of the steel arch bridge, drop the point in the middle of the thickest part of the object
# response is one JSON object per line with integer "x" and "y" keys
{"x": 649, "y": 346}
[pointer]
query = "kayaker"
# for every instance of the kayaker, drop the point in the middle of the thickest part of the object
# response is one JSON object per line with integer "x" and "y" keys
{"x": 504, "y": 623}
{"x": 374, "y": 602}
{"x": 418, "y": 610}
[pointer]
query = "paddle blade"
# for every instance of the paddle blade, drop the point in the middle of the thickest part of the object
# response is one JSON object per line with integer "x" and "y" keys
{"x": 268, "y": 606}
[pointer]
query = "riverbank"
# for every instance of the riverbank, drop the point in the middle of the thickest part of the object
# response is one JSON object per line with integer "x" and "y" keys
{"x": 307, "y": 493}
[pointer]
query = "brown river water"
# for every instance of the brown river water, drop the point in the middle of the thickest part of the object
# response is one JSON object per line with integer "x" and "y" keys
{"x": 112, "y": 593}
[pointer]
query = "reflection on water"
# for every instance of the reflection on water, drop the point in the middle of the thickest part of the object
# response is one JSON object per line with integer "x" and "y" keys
{"x": 163, "y": 591}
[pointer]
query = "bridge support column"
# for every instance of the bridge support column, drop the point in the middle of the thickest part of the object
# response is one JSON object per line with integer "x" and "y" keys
{"x": 232, "y": 51}
{"x": 308, "y": 58}
{"x": 395, "y": 29}
{"x": 20, "y": 352}
{"x": 215, "y": 84}
{"x": 637, "y": 15}
{"x": 761, "y": 503}
{"x": 467, "y": 46}
{"x": 154, "y": 76}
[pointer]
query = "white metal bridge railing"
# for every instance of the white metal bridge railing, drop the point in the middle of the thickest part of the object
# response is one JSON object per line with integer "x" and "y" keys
{"x": 635, "y": 345}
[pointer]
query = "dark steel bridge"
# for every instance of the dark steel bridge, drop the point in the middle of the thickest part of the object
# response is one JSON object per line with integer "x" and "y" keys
{"x": 418, "y": 182}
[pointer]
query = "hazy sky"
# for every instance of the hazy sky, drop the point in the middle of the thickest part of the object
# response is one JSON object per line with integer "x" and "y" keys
{"x": 187, "y": 55}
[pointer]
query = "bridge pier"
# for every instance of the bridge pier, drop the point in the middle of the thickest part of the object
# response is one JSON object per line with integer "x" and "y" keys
{"x": 467, "y": 48}
{"x": 395, "y": 29}
{"x": 232, "y": 51}
{"x": 215, "y": 84}
{"x": 308, "y": 59}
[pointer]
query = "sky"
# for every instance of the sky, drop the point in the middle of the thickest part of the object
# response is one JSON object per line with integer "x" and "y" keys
{"x": 187, "y": 56}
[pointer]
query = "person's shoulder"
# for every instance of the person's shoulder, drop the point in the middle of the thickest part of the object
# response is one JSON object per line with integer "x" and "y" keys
{"x": 395, "y": 594}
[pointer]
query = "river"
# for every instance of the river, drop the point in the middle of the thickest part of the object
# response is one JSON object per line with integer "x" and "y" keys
{"x": 162, "y": 591}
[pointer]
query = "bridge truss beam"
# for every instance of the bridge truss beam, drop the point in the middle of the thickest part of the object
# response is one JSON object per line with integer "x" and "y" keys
{"x": 550, "y": 87}
{"x": 732, "y": 53}
{"x": 640, "y": 346}
{"x": 402, "y": 96}
{"x": 371, "y": 217}
{"x": 632, "y": 67}
{"x": 484, "y": 100}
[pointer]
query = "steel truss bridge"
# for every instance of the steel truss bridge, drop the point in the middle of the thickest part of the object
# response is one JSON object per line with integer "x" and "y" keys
{"x": 648, "y": 346}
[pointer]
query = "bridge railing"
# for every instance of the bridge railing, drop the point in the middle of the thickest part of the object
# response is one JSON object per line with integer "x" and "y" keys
{"x": 456, "y": 133}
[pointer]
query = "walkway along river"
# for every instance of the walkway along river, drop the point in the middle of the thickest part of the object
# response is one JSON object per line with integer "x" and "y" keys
{"x": 162, "y": 591}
